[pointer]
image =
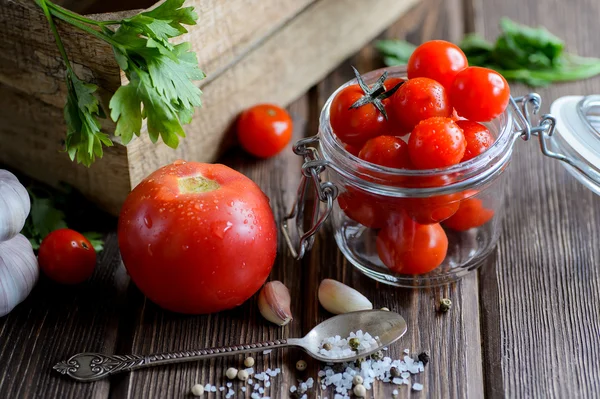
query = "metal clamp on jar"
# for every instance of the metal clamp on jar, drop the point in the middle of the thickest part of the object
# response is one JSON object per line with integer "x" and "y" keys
{"x": 390, "y": 222}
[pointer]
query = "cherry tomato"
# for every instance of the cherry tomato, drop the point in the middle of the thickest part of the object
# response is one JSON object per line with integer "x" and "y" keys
{"x": 264, "y": 130}
{"x": 479, "y": 94}
{"x": 197, "y": 238}
{"x": 438, "y": 60}
{"x": 428, "y": 210}
{"x": 364, "y": 208}
{"x": 478, "y": 138}
{"x": 67, "y": 257}
{"x": 386, "y": 151}
{"x": 355, "y": 126}
{"x": 407, "y": 247}
{"x": 351, "y": 149}
{"x": 416, "y": 100}
{"x": 393, "y": 126}
{"x": 436, "y": 143}
{"x": 470, "y": 214}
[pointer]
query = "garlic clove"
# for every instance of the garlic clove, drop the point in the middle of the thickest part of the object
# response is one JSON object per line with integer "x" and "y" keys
{"x": 274, "y": 303}
{"x": 338, "y": 298}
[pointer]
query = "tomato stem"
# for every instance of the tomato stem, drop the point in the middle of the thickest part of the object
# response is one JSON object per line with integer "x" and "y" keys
{"x": 197, "y": 184}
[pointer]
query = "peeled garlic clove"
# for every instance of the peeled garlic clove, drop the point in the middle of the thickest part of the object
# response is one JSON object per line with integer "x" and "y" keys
{"x": 274, "y": 303}
{"x": 338, "y": 298}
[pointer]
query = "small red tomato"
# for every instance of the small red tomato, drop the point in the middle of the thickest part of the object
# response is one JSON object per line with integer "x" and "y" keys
{"x": 407, "y": 247}
{"x": 351, "y": 149}
{"x": 479, "y": 94}
{"x": 264, "y": 130}
{"x": 418, "y": 99}
{"x": 478, "y": 138}
{"x": 364, "y": 208}
{"x": 428, "y": 210}
{"x": 438, "y": 60}
{"x": 355, "y": 126}
{"x": 470, "y": 214}
{"x": 67, "y": 257}
{"x": 393, "y": 127}
{"x": 436, "y": 143}
{"x": 386, "y": 151}
{"x": 197, "y": 238}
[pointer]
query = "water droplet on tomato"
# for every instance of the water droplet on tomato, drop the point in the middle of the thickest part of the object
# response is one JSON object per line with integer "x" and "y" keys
{"x": 185, "y": 247}
{"x": 150, "y": 249}
{"x": 148, "y": 221}
{"x": 245, "y": 221}
{"x": 198, "y": 206}
{"x": 179, "y": 162}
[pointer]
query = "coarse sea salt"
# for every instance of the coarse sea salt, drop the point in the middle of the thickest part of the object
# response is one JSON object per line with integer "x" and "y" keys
{"x": 267, "y": 351}
{"x": 340, "y": 376}
{"x": 417, "y": 387}
{"x": 340, "y": 347}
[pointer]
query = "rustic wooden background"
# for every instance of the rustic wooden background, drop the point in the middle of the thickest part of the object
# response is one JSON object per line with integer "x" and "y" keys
{"x": 526, "y": 325}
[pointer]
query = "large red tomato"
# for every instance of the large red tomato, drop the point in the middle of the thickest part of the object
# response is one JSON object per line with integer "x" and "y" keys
{"x": 197, "y": 238}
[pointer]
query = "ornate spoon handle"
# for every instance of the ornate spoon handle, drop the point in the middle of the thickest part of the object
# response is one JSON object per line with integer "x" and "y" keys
{"x": 94, "y": 366}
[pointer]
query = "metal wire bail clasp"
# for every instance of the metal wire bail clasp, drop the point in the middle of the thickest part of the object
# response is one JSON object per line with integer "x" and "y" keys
{"x": 325, "y": 191}
{"x": 529, "y": 105}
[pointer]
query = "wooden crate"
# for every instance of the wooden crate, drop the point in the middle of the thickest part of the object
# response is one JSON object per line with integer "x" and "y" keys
{"x": 252, "y": 51}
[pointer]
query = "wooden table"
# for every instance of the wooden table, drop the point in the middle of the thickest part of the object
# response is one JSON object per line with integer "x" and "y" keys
{"x": 526, "y": 325}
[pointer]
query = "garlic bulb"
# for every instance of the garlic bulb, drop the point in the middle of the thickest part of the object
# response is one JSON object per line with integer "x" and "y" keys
{"x": 18, "y": 272}
{"x": 14, "y": 205}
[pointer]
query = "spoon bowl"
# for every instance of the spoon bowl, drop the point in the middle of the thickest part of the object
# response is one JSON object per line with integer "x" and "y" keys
{"x": 387, "y": 326}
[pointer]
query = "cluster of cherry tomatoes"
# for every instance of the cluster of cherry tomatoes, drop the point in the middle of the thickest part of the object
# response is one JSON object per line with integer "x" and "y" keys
{"x": 432, "y": 120}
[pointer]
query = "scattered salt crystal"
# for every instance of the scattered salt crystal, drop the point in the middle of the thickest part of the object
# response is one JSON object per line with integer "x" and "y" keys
{"x": 304, "y": 396}
{"x": 221, "y": 389}
{"x": 267, "y": 351}
{"x": 207, "y": 387}
{"x": 230, "y": 392}
{"x": 249, "y": 370}
{"x": 417, "y": 387}
{"x": 260, "y": 377}
{"x": 213, "y": 389}
{"x": 397, "y": 381}
{"x": 293, "y": 388}
{"x": 267, "y": 384}
{"x": 255, "y": 395}
{"x": 256, "y": 386}
{"x": 405, "y": 375}
{"x": 243, "y": 389}
{"x": 406, "y": 351}
{"x": 310, "y": 382}
{"x": 303, "y": 387}
{"x": 261, "y": 390}
{"x": 395, "y": 392}
{"x": 250, "y": 381}
{"x": 229, "y": 384}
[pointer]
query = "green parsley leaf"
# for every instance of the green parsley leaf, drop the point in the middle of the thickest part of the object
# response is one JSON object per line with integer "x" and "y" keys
{"x": 96, "y": 239}
{"x": 84, "y": 139}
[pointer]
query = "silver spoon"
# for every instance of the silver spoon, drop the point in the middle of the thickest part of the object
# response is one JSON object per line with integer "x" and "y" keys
{"x": 388, "y": 326}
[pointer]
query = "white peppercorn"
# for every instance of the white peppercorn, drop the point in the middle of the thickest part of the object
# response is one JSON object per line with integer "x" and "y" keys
{"x": 360, "y": 391}
{"x": 197, "y": 390}
{"x": 249, "y": 361}
{"x": 231, "y": 373}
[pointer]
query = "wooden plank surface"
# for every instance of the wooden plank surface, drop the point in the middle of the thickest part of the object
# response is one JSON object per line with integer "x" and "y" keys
{"x": 541, "y": 303}
{"x": 526, "y": 325}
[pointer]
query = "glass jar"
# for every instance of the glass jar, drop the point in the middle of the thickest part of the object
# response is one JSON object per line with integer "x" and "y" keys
{"x": 416, "y": 228}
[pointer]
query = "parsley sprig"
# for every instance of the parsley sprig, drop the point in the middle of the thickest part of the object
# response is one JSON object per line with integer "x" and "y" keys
{"x": 160, "y": 74}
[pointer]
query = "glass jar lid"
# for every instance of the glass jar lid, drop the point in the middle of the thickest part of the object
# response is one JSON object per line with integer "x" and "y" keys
{"x": 578, "y": 137}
